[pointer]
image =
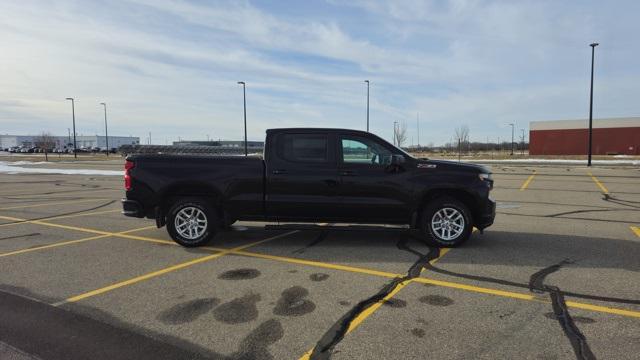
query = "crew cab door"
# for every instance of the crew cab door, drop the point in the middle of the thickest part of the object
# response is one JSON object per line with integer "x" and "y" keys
{"x": 369, "y": 191}
{"x": 301, "y": 177}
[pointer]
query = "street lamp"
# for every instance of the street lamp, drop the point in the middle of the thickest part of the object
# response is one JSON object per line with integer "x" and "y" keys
{"x": 244, "y": 93}
{"x": 367, "y": 81}
{"x": 511, "y": 139}
{"x": 395, "y": 133}
{"x": 73, "y": 115}
{"x": 593, "y": 51}
{"x": 106, "y": 132}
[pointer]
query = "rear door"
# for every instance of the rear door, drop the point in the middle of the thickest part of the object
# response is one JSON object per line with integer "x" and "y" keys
{"x": 369, "y": 192}
{"x": 302, "y": 177}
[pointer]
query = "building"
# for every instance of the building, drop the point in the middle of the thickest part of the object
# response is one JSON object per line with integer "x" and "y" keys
{"x": 224, "y": 144}
{"x": 66, "y": 142}
{"x": 571, "y": 137}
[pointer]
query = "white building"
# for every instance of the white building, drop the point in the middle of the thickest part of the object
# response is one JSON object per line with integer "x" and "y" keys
{"x": 66, "y": 142}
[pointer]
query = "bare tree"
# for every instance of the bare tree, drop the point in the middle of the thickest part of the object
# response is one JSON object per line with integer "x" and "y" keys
{"x": 46, "y": 142}
{"x": 401, "y": 133}
{"x": 462, "y": 137}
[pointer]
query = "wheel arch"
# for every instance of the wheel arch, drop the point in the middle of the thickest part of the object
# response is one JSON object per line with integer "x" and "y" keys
{"x": 199, "y": 190}
{"x": 459, "y": 194}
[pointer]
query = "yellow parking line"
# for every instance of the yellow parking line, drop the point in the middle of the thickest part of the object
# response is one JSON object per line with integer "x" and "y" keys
{"x": 360, "y": 270}
{"x": 164, "y": 271}
{"x": 62, "y": 217}
{"x": 600, "y": 185}
{"x": 636, "y": 230}
{"x": 528, "y": 181}
{"x": 54, "y": 203}
{"x": 64, "y": 243}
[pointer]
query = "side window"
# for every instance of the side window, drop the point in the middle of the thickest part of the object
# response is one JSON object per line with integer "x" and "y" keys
{"x": 364, "y": 151}
{"x": 304, "y": 147}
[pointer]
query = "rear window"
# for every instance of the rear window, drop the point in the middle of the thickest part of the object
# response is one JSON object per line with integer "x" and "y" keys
{"x": 304, "y": 147}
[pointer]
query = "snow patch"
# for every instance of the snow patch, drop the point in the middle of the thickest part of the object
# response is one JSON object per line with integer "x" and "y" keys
{"x": 11, "y": 168}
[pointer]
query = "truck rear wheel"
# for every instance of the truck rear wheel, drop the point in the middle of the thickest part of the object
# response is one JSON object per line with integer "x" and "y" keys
{"x": 446, "y": 222}
{"x": 191, "y": 222}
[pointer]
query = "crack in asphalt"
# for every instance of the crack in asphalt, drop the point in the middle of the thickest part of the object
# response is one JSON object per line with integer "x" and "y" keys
{"x": 578, "y": 340}
{"x": 63, "y": 214}
{"x": 528, "y": 286}
{"x": 336, "y": 333}
{"x": 323, "y": 235}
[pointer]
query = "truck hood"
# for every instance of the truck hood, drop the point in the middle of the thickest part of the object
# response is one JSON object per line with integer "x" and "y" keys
{"x": 453, "y": 166}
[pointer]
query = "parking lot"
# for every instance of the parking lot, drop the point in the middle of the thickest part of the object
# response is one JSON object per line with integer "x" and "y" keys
{"x": 556, "y": 277}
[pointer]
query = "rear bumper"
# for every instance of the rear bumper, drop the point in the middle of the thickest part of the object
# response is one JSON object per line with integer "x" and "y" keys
{"x": 132, "y": 208}
{"x": 487, "y": 214}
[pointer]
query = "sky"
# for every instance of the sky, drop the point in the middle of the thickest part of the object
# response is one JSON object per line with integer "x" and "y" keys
{"x": 171, "y": 67}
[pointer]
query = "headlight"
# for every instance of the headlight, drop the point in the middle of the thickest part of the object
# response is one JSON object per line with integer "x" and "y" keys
{"x": 484, "y": 176}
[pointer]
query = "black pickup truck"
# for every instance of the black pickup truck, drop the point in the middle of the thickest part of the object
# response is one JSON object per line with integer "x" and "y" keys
{"x": 310, "y": 175}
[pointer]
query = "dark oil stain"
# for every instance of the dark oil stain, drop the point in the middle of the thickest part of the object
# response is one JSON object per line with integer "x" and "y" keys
{"x": 318, "y": 277}
{"x": 417, "y": 332}
{"x": 578, "y": 319}
{"x": 292, "y": 302}
{"x": 292, "y": 271}
{"x": 187, "y": 311}
{"x": 255, "y": 345}
{"x": 422, "y": 321}
{"x": 395, "y": 303}
{"x": 344, "y": 303}
{"x": 239, "y": 274}
{"x": 239, "y": 310}
{"x": 436, "y": 300}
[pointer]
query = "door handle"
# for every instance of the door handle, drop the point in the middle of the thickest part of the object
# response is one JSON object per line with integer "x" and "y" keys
{"x": 279, "y": 172}
{"x": 347, "y": 173}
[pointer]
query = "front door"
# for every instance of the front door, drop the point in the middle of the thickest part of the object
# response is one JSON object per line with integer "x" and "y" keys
{"x": 369, "y": 193}
{"x": 302, "y": 178}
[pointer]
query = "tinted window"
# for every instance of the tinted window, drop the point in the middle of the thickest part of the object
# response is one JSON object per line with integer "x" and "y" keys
{"x": 364, "y": 151}
{"x": 304, "y": 148}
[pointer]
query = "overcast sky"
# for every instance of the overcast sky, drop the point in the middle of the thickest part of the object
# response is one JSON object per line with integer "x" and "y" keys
{"x": 171, "y": 67}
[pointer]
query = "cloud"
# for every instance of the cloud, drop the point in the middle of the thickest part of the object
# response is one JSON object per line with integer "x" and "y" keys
{"x": 171, "y": 66}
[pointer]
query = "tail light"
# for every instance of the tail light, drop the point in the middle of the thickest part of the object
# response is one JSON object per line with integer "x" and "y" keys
{"x": 128, "y": 165}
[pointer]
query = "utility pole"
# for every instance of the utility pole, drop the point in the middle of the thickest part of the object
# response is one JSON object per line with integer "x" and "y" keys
{"x": 244, "y": 93}
{"x": 418, "y": 126}
{"x": 106, "y": 131}
{"x": 512, "y": 127}
{"x": 395, "y": 133}
{"x": 73, "y": 115}
{"x": 367, "y": 81}
{"x": 593, "y": 51}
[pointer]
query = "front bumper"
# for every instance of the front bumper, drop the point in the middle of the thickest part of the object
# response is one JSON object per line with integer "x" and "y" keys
{"x": 487, "y": 214}
{"x": 132, "y": 208}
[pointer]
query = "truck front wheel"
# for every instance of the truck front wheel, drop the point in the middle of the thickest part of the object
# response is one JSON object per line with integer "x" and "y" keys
{"x": 191, "y": 222}
{"x": 446, "y": 222}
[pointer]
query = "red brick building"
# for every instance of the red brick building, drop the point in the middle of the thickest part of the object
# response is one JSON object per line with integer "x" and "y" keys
{"x": 570, "y": 137}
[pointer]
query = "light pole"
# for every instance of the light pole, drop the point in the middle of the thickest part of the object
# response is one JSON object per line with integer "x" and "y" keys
{"x": 73, "y": 115}
{"x": 367, "y": 81}
{"x": 244, "y": 94}
{"x": 106, "y": 131}
{"x": 522, "y": 150}
{"x": 593, "y": 51}
{"x": 511, "y": 139}
{"x": 395, "y": 133}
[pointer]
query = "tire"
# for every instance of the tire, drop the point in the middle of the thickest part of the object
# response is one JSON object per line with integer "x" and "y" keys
{"x": 453, "y": 216}
{"x": 191, "y": 222}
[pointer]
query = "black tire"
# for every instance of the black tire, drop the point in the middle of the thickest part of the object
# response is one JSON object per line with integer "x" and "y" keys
{"x": 203, "y": 209}
{"x": 434, "y": 235}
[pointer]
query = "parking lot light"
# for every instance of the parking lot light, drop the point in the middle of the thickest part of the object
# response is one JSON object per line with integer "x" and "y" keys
{"x": 244, "y": 93}
{"x": 106, "y": 131}
{"x": 593, "y": 51}
{"x": 73, "y": 116}
{"x": 512, "y": 130}
{"x": 367, "y": 81}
